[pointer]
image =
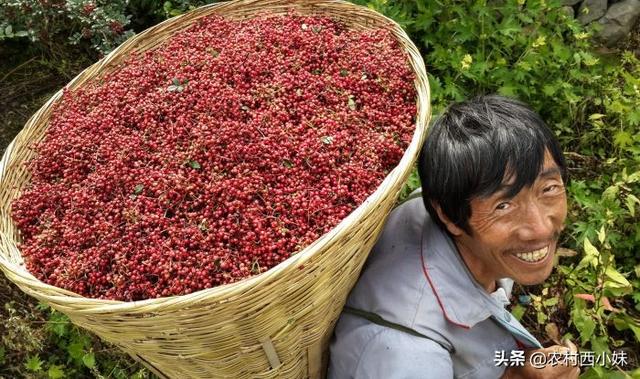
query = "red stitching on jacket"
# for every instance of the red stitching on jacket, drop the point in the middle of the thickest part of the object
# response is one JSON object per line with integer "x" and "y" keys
{"x": 426, "y": 274}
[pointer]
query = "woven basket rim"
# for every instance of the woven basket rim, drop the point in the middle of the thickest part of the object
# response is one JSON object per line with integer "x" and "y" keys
{"x": 23, "y": 278}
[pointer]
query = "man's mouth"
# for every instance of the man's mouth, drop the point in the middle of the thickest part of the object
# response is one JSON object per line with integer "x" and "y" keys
{"x": 534, "y": 256}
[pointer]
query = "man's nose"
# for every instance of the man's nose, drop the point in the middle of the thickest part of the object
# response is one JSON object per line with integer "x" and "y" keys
{"x": 537, "y": 223}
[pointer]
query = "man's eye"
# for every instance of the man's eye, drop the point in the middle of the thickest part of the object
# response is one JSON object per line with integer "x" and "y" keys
{"x": 502, "y": 206}
{"x": 551, "y": 188}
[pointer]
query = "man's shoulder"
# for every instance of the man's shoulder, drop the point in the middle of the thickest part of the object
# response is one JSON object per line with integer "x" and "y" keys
{"x": 393, "y": 283}
{"x": 411, "y": 209}
{"x": 406, "y": 221}
{"x": 367, "y": 350}
{"x": 403, "y": 235}
{"x": 392, "y": 261}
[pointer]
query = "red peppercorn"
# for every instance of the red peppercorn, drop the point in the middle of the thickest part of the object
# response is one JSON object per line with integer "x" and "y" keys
{"x": 213, "y": 157}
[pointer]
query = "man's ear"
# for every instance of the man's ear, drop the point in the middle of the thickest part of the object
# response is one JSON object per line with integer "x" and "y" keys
{"x": 451, "y": 227}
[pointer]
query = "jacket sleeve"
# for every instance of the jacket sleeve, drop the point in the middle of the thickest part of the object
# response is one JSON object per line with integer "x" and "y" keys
{"x": 392, "y": 354}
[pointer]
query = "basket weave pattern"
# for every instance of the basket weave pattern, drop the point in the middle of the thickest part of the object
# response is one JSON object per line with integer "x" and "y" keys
{"x": 277, "y": 324}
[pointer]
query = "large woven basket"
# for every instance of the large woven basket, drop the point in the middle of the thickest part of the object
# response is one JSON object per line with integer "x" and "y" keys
{"x": 277, "y": 324}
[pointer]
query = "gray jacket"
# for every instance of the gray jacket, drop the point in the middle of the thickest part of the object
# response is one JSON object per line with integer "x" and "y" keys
{"x": 415, "y": 277}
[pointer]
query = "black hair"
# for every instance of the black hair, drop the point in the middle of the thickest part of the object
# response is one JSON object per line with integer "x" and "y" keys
{"x": 474, "y": 146}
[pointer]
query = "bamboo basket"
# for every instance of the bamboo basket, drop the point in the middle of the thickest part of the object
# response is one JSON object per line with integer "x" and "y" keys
{"x": 277, "y": 324}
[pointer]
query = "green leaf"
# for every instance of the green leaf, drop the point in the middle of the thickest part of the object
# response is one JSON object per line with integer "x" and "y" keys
{"x": 2, "y": 355}
{"x": 525, "y": 18}
{"x": 89, "y": 360}
{"x": 631, "y": 202}
{"x": 8, "y": 31}
{"x": 56, "y": 372}
{"x": 596, "y": 372}
{"x": 452, "y": 91}
{"x": 327, "y": 140}
{"x": 76, "y": 350}
{"x": 33, "y": 364}
{"x": 351, "y": 103}
{"x": 175, "y": 82}
{"x": 42, "y": 306}
{"x": 620, "y": 323}
{"x": 635, "y": 177}
{"x": 634, "y": 117}
{"x": 58, "y": 323}
{"x": 412, "y": 183}
{"x": 510, "y": 29}
{"x": 600, "y": 344}
{"x": 550, "y": 302}
{"x": 194, "y": 165}
{"x": 167, "y": 6}
{"x": 585, "y": 325}
{"x": 624, "y": 322}
{"x": 588, "y": 59}
{"x": 589, "y": 249}
{"x": 622, "y": 138}
{"x": 591, "y": 255}
{"x": 518, "y": 311}
{"x": 137, "y": 190}
{"x": 577, "y": 58}
{"x": 203, "y": 225}
{"x": 58, "y": 329}
{"x": 507, "y": 90}
{"x": 616, "y": 280}
{"x": 118, "y": 372}
{"x": 610, "y": 192}
{"x": 287, "y": 163}
{"x": 21, "y": 33}
{"x": 140, "y": 374}
{"x": 635, "y": 328}
{"x": 602, "y": 234}
{"x": 344, "y": 72}
{"x": 541, "y": 317}
{"x": 549, "y": 89}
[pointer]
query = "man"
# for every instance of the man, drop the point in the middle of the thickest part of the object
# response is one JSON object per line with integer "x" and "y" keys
{"x": 430, "y": 301}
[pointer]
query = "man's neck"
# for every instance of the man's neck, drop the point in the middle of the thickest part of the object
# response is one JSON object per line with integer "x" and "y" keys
{"x": 482, "y": 274}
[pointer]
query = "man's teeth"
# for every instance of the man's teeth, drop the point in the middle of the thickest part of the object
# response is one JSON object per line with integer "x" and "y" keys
{"x": 534, "y": 256}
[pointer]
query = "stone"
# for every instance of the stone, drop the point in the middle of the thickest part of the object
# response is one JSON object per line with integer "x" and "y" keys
{"x": 570, "y": 2}
{"x": 618, "y": 21}
{"x": 591, "y": 10}
{"x": 568, "y": 11}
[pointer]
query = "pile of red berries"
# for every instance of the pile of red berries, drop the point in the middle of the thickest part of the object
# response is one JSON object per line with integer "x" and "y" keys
{"x": 215, "y": 156}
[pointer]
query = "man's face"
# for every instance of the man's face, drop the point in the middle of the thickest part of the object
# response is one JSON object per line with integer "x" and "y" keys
{"x": 516, "y": 237}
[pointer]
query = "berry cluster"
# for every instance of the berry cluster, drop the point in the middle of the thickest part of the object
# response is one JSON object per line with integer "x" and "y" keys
{"x": 214, "y": 156}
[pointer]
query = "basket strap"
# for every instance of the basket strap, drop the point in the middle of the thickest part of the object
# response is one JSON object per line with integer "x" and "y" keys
{"x": 378, "y": 320}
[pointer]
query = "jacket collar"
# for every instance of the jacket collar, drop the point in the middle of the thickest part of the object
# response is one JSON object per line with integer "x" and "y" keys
{"x": 462, "y": 300}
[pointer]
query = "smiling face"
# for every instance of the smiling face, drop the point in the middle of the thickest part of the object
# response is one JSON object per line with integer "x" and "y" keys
{"x": 514, "y": 237}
